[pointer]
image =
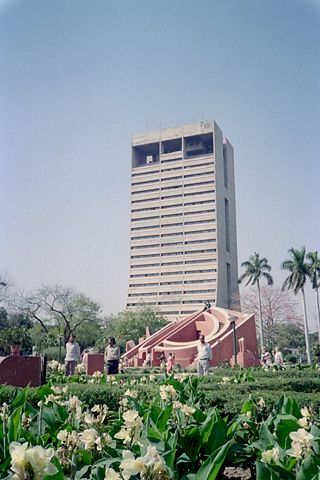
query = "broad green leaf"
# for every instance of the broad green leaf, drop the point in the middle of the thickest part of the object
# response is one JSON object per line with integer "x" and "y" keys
{"x": 310, "y": 468}
{"x": 14, "y": 425}
{"x": 290, "y": 407}
{"x": 266, "y": 439}
{"x": 20, "y": 399}
{"x": 211, "y": 467}
{"x": 163, "y": 418}
{"x": 191, "y": 442}
{"x": 169, "y": 457}
{"x": 217, "y": 438}
{"x": 284, "y": 425}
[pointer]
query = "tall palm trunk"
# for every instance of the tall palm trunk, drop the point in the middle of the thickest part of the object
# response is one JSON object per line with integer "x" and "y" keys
{"x": 260, "y": 318}
{"x": 306, "y": 329}
{"x": 318, "y": 310}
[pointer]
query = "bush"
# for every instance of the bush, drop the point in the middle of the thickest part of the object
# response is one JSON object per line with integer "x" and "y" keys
{"x": 53, "y": 353}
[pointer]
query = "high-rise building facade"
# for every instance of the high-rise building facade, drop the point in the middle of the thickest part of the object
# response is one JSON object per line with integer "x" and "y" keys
{"x": 183, "y": 248}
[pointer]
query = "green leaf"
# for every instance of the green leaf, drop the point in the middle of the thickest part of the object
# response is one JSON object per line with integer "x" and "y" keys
{"x": 284, "y": 425}
{"x": 14, "y": 425}
{"x": 211, "y": 467}
{"x": 266, "y": 439}
{"x": 163, "y": 418}
{"x": 191, "y": 442}
{"x": 309, "y": 469}
{"x": 217, "y": 438}
{"x": 290, "y": 407}
{"x": 262, "y": 471}
{"x": 20, "y": 399}
{"x": 169, "y": 457}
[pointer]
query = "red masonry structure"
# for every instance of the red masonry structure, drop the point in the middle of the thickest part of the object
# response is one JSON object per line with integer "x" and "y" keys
{"x": 181, "y": 338}
{"x": 20, "y": 371}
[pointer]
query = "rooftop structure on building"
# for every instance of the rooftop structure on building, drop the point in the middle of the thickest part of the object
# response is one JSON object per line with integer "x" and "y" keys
{"x": 183, "y": 249}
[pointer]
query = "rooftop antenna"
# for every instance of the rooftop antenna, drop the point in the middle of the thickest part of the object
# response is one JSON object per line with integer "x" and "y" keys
{"x": 146, "y": 124}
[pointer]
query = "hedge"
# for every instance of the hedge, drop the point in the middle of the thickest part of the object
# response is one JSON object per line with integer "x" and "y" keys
{"x": 228, "y": 398}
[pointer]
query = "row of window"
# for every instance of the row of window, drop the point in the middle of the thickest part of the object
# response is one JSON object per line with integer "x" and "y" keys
{"x": 170, "y": 179}
{"x": 178, "y": 224}
{"x": 185, "y": 292}
{"x": 172, "y": 215}
{"x": 173, "y": 244}
{"x": 164, "y": 197}
{"x": 172, "y": 254}
{"x": 184, "y": 302}
{"x": 187, "y": 272}
{"x": 174, "y": 187}
{"x": 156, "y": 172}
{"x": 165, "y": 207}
{"x": 176, "y": 282}
{"x": 164, "y": 264}
{"x": 172, "y": 234}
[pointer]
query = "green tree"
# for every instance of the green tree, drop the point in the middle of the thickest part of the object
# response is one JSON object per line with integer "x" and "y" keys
{"x": 132, "y": 324}
{"x": 314, "y": 274}
{"x": 256, "y": 269}
{"x": 299, "y": 270}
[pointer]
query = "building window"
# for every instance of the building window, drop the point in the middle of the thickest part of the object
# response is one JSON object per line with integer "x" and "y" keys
{"x": 225, "y": 166}
{"x": 226, "y": 211}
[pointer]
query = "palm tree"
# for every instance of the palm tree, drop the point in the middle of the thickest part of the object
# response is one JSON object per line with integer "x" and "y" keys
{"x": 256, "y": 269}
{"x": 299, "y": 270}
{"x": 314, "y": 274}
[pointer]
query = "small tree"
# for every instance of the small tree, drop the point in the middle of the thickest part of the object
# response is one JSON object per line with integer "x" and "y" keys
{"x": 278, "y": 307}
{"x": 64, "y": 307}
{"x": 256, "y": 269}
{"x": 131, "y": 324}
{"x": 299, "y": 270}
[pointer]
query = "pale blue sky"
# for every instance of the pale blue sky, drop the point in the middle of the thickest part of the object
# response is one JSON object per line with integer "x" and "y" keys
{"x": 78, "y": 78}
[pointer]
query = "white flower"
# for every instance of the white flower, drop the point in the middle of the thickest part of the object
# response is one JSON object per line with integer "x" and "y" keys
{"x": 301, "y": 443}
{"x": 304, "y": 422}
{"x": 305, "y": 412}
{"x": 54, "y": 365}
{"x": 39, "y": 459}
{"x": 74, "y": 403}
{"x": 111, "y": 474}
{"x": 151, "y": 457}
{"x": 131, "y": 393}
{"x": 273, "y": 454}
{"x": 167, "y": 392}
{"x": 130, "y": 465}
{"x": 188, "y": 411}
{"x": 89, "y": 438}
{"x": 261, "y": 403}
{"x": 132, "y": 419}
{"x": 226, "y": 379}
{"x": 63, "y": 436}
{"x": 18, "y": 459}
{"x": 69, "y": 439}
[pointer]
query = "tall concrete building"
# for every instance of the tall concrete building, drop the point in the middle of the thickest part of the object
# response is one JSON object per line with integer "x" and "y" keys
{"x": 183, "y": 248}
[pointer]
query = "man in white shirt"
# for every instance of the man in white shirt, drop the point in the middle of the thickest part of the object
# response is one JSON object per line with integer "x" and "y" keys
{"x": 72, "y": 355}
{"x": 204, "y": 356}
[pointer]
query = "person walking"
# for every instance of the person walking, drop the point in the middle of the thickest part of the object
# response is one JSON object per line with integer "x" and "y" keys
{"x": 278, "y": 357}
{"x": 204, "y": 356}
{"x": 72, "y": 355}
{"x": 162, "y": 359}
{"x": 266, "y": 360}
{"x": 112, "y": 356}
{"x": 170, "y": 363}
